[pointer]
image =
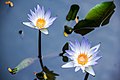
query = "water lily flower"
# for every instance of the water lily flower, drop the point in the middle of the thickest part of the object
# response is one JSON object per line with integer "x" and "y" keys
{"x": 40, "y": 20}
{"x": 82, "y": 56}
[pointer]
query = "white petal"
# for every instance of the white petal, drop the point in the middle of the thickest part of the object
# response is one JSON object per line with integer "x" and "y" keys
{"x": 29, "y": 24}
{"x": 77, "y": 69}
{"x": 68, "y": 65}
{"x": 93, "y": 55}
{"x": 47, "y": 15}
{"x": 49, "y": 21}
{"x": 77, "y": 46}
{"x": 70, "y": 52}
{"x": 83, "y": 69}
{"x": 42, "y": 12}
{"x": 45, "y": 31}
{"x": 90, "y": 63}
{"x": 90, "y": 70}
{"x": 72, "y": 46}
{"x": 95, "y": 48}
{"x": 85, "y": 45}
{"x": 48, "y": 24}
{"x": 96, "y": 58}
{"x": 52, "y": 19}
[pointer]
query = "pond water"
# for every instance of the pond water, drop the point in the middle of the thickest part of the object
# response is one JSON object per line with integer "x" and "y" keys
{"x": 16, "y": 45}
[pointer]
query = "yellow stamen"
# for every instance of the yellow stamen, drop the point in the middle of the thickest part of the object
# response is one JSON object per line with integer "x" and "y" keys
{"x": 45, "y": 76}
{"x": 40, "y": 23}
{"x": 9, "y": 3}
{"x": 9, "y": 69}
{"x": 82, "y": 59}
{"x": 65, "y": 34}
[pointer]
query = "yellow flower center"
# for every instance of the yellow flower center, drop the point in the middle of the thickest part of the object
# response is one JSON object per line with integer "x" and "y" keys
{"x": 40, "y": 23}
{"x": 82, "y": 59}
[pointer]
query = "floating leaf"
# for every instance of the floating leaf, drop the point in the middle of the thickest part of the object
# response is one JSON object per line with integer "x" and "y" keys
{"x": 25, "y": 63}
{"x": 65, "y": 47}
{"x": 41, "y": 76}
{"x": 72, "y": 12}
{"x": 65, "y": 58}
{"x": 46, "y": 74}
{"x": 101, "y": 12}
{"x": 84, "y": 26}
{"x": 98, "y": 15}
{"x": 67, "y": 30}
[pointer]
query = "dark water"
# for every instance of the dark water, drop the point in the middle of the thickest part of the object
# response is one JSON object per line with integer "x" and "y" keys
{"x": 15, "y": 47}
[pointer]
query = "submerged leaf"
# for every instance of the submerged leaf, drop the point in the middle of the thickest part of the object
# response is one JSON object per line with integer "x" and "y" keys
{"x": 98, "y": 15}
{"x": 25, "y": 63}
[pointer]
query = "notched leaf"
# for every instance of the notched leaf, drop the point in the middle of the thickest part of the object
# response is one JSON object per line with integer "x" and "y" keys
{"x": 101, "y": 12}
{"x": 98, "y": 15}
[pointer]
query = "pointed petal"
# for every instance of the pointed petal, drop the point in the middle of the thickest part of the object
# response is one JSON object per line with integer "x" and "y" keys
{"x": 38, "y": 6}
{"x": 69, "y": 52}
{"x": 42, "y": 12}
{"x": 83, "y": 69}
{"x": 47, "y": 15}
{"x": 77, "y": 69}
{"x": 77, "y": 46}
{"x": 91, "y": 63}
{"x": 95, "y": 48}
{"x": 68, "y": 65}
{"x": 45, "y": 31}
{"x": 96, "y": 58}
{"x": 90, "y": 70}
{"x": 72, "y": 46}
{"x": 29, "y": 24}
{"x": 85, "y": 46}
{"x": 93, "y": 55}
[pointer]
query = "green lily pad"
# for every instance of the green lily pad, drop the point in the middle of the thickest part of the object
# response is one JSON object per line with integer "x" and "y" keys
{"x": 98, "y": 15}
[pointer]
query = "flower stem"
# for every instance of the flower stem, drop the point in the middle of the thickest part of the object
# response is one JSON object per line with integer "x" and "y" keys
{"x": 39, "y": 50}
{"x": 86, "y": 76}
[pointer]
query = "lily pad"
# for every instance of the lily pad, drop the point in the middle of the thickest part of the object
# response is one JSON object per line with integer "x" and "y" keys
{"x": 98, "y": 15}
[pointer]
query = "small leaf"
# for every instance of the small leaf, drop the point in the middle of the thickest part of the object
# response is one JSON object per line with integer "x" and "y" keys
{"x": 50, "y": 74}
{"x": 72, "y": 12}
{"x": 23, "y": 64}
{"x": 40, "y": 76}
{"x": 67, "y": 30}
{"x": 65, "y": 47}
{"x": 65, "y": 58}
